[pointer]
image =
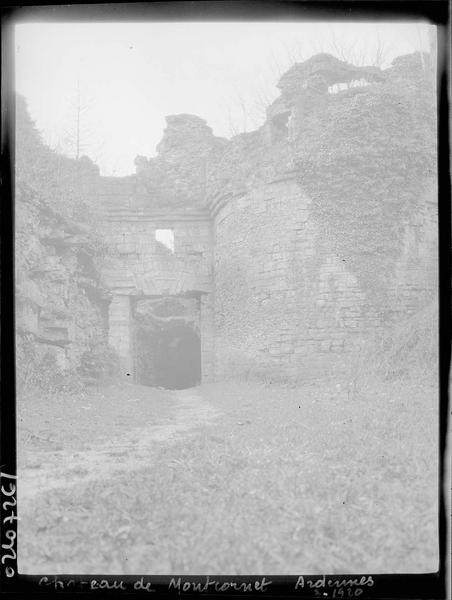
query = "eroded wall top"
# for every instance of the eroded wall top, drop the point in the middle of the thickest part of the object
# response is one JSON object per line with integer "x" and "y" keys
{"x": 193, "y": 166}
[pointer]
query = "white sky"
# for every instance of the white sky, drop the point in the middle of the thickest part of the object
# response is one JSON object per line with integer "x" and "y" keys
{"x": 131, "y": 75}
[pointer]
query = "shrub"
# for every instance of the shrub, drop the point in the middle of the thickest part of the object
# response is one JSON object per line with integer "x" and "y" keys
{"x": 41, "y": 372}
{"x": 407, "y": 351}
{"x": 98, "y": 363}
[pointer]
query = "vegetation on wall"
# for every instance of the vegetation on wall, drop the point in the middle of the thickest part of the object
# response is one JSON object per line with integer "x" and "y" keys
{"x": 38, "y": 370}
{"x": 61, "y": 184}
{"x": 99, "y": 362}
{"x": 53, "y": 193}
{"x": 364, "y": 157}
{"x": 406, "y": 353}
{"x": 59, "y": 296}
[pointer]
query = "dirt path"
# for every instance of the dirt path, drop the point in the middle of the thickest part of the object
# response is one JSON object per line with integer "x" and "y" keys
{"x": 133, "y": 449}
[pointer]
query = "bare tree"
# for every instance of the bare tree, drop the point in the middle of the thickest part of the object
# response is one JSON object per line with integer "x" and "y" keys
{"x": 262, "y": 100}
{"x": 238, "y": 113}
{"x": 381, "y": 53}
{"x": 355, "y": 51}
{"x": 78, "y": 135}
{"x": 427, "y": 47}
{"x": 244, "y": 111}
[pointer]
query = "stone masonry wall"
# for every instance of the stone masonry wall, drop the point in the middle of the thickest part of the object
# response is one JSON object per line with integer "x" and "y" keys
{"x": 142, "y": 267}
{"x": 286, "y": 306}
{"x": 283, "y": 300}
{"x": 289, "y": 301}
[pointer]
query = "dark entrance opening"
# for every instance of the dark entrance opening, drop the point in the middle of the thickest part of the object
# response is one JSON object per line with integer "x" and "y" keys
{"x": 167, "y": 350}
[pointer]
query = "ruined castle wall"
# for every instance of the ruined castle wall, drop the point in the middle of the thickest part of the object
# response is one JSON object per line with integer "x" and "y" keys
{"x": 416, "y": 274}
{"x": 285, "y": 305}
{"x": 302, "y": 239}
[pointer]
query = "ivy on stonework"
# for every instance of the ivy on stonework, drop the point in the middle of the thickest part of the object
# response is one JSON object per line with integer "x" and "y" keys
{"x": 365, "y": 160}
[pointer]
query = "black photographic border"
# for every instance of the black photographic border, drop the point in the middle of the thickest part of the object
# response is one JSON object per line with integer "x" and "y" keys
{"x": 413, "y": 586}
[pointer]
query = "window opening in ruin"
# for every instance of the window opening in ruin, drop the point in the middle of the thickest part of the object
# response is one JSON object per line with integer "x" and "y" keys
{"x": 165, "y": 237}
{"x": 280, "y": 126}
{"x": 340, "y": 87}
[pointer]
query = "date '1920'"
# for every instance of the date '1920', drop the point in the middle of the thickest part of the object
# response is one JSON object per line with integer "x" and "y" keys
{"x": 335, "y": 588}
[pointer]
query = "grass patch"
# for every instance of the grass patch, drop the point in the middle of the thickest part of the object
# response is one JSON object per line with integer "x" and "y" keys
{"x": 288, "y": 481}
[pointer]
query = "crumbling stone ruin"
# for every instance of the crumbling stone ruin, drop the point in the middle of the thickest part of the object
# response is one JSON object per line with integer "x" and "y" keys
{"x": 284, "y": 248}
{"x": 61, "y": 305}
